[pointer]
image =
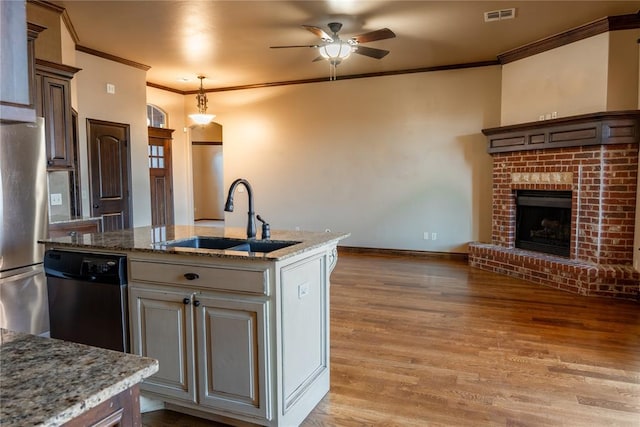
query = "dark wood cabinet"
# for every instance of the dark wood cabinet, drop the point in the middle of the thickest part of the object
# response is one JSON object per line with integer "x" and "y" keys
{"x": 53, "y": 102}
{"x": 122, "y": 410}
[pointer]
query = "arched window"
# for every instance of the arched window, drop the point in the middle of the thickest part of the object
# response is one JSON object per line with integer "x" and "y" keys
{"x": 156, "y": 117}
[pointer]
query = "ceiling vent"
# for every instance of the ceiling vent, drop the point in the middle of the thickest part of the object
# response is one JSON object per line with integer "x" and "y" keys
{"x": 499, "y": 15}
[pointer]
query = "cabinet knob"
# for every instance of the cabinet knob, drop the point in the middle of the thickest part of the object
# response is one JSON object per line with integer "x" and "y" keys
{"x": 50, "y": 162}
{"x": 96, "y": 206}
{"x": 191, "y": 276}
{"x": 196, "y": 303}
{"x": 186, "y": 301}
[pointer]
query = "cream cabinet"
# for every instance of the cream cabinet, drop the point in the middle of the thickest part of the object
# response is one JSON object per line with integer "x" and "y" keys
{"x": 162, "y": 328}
{"x": 235, "y": 339}
{"x": 210, "y": 343}
{"x": 231, "y": 354}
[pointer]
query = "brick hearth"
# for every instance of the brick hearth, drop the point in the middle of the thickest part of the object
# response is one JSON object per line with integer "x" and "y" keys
{"x": 596, "y": 158}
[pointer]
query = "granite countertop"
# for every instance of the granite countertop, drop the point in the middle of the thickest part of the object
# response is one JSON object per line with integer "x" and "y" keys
{"x": 48, "y": 382}
{"x": 154, "y": 239}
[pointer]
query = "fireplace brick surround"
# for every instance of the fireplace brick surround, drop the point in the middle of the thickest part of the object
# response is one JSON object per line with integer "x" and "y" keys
{"x": 595, "y": 156}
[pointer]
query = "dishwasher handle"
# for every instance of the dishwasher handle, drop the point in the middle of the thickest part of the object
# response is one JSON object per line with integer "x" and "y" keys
{"x": 85, "y": 277}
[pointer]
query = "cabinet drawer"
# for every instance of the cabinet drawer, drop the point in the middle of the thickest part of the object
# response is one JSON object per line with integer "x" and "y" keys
{"x": 244, "y": 281}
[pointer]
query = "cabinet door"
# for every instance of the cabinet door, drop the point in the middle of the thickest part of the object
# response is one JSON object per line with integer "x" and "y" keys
{"x": 232, "y": 359}
{"x": 162, "y": 328}
{"x": 56, "y": 109}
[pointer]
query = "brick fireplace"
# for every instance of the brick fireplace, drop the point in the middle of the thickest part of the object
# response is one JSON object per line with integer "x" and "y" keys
{"x": 595, "y": 158}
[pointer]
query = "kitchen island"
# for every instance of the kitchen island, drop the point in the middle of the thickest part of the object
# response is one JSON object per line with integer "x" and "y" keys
{"x": 51, "y": 382}
{"x": 240, "y": 326}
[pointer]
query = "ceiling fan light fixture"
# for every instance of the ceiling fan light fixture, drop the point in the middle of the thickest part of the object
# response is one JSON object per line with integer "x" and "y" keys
{"x": 201, "y": 117}
{"x": 336, "y": 50}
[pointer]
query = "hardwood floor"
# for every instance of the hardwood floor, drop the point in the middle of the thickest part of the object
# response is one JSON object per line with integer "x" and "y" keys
{"x": 433, "y": 342}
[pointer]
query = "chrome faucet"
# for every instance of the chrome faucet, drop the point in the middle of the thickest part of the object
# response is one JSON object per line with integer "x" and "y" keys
{"x": 251, "y": 223}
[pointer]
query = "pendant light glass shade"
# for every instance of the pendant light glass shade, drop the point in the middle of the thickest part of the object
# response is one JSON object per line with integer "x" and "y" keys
{"x": 201, "y": 118}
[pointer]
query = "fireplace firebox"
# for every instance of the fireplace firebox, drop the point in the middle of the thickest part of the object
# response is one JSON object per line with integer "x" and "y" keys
{"x": 543, "y": 221}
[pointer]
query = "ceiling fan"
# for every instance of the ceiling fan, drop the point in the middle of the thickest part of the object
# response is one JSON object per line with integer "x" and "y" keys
{"x": 334, "y": 49}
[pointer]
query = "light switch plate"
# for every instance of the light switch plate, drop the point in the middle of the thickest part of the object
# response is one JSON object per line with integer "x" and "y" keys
{"x": 56, "y": 199}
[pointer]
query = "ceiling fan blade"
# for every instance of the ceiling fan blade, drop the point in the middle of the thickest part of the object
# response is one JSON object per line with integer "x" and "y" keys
{"x": 318, "y": 32}
{"x": 371, "y": 52}
{"x": 319, "y": 58}
{"x": 299, "y": 45}
{"x": 382, "y": 34}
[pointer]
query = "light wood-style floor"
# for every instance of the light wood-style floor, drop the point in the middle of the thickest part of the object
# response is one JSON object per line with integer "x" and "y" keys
{"x": 433, "y": 342}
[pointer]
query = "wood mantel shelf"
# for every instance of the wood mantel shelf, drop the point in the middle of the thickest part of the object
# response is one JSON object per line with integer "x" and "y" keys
{"x": 611, "y": 127}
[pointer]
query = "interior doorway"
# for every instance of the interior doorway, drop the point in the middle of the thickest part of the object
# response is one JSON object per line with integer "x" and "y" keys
{"x": 110, "y": 185}
{"x": 207, "y": 171}
{"x": 160, "y": 176}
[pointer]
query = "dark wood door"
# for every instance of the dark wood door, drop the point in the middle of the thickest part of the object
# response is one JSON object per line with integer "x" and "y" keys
{"x": 160, "y": 176}
{"x": 109, "y": 173}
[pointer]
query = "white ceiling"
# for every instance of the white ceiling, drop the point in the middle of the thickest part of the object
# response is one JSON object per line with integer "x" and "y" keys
{"x": 228, "y": 41}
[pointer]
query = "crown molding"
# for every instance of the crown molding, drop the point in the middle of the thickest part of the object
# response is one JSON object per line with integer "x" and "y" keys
{"x": 325, "y": 79}
{"x": 603, "y": 25}
{"x": 110, "y": 57}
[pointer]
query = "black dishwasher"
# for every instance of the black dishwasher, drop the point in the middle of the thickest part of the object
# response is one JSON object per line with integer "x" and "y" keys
{"x": 88, "y": 298}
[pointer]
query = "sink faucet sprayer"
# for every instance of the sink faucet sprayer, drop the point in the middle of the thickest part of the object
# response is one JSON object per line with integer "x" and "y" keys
{"x": 251, "y": 223}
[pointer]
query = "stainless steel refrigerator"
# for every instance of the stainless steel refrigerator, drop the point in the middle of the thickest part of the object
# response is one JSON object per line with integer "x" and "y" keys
{"x": 24, "y": 216}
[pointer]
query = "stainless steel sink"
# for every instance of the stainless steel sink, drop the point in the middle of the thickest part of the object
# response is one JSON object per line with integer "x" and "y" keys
{"x": 205, "y": 243}
{"x": 261, "y": 246}
{"x": 225, "y": 243}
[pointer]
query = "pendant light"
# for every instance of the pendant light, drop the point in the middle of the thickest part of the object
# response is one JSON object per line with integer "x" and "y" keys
{"x": 202, "y": 118}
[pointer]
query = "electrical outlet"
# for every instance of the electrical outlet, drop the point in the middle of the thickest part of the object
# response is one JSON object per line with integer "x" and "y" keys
{"x": 425, "y": 236}
{"x": 554, "y": 115}
{"x": 434, "y": 236}
{"x": 111, "y": 88}
{"x": 56, "y": 199}
{"x": 303, "y": 290}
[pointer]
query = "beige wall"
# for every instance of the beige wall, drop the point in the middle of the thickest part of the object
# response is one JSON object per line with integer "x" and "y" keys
{"x": 569, "y": 80}
{"x": 591, "y": 75}
{"x": 208, "y": 182}
{"x": 207, "y": 171}
{"x": 49, "y": 42}
{"x": 384, "y": 158}
{"x": 128, "y": 106}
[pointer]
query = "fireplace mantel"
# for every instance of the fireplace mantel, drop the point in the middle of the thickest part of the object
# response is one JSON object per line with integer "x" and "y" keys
{"x": 595, "y": 157}
{"x": 612, "y": 127}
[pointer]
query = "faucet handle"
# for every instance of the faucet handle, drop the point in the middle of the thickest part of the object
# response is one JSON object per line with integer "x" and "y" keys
{"x": 266, "y": 229}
